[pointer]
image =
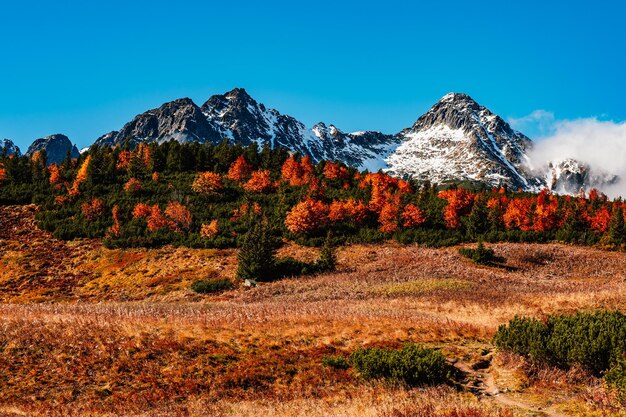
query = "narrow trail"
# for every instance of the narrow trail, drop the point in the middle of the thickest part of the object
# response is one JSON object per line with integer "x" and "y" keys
{"x": 481, "y": 382}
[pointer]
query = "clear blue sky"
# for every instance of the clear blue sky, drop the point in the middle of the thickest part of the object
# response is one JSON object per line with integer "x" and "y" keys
{"x": 85, "y": 68}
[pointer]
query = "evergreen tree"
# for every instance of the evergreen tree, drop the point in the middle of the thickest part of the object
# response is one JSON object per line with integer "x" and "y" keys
{"x": 257, "y": 256}
{"x": 616, "y": 226}
{"x": 328, "y": 259}
{"x": 477, "y": 223}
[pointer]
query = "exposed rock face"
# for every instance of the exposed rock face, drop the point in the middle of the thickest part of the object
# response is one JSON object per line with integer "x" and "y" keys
{"x": 180, "y": 120}
{"x": 239, "y": 118}
{"x": 460, "y": 140}
{"x": 56, "y": 147}
{"x": 570, "y": 176}
{"x": 456, "y": 140}
{"x": 7, "y": 147}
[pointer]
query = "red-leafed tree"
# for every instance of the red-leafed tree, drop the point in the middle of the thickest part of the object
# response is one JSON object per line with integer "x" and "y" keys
{"x": 259, "y": 182}
{"x": 180, "y": 216}
{"x": 133, "y": 185}
{"x": 141, "y": 211}
{"x": 116, "y": 228}
{"x": 460, "y": 203}
{"x": 209, "y": 230}
{"x": 239, "y": 170}
{"x": 333, "y": 171}
{"x": 600, "y": 219}
{"x": 307, "y": 216}
{"x": 389, "y": 218}
{"x": 517, "y": 214}
{"x": 207, "y": 183}
{"x": 412, "y": 216}
{"x": 92, "y": 209}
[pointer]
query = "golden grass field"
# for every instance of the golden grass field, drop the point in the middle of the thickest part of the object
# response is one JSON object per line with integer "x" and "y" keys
{"x": 89, "y": 331}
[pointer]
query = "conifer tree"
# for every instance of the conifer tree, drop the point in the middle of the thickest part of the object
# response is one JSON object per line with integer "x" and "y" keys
{"x": 616, "y": 226}
{"x": 478, "y": 220}
{"x": 257, "y": 256}
{"x": 327, "y": 261}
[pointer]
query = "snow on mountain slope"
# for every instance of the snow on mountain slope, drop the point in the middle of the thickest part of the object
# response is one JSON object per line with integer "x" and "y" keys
{"x": 9, "y": 148}
{"x": 456, "y": 140}
{"x": 460, "y": 140}
{"x": 239, "y": 118}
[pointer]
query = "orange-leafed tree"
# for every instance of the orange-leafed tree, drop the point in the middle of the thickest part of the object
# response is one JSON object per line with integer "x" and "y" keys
{"x": 291, "y": 172}
{"x": 141, "y": 211}
{"x": 133, "y": 185}
{"x": 3, "y": 175}
{"x": 155, "y": 176}
{"x": 92, "y": 209}
{"x": 333, "y": 171}
{"x": 600, "y": 219}
{"x": 517, "y": 214}
{"x": 116, "y": 228}
{"x": 412, "y": 216}
{"x": 209, "y": 230}
{"x": 156, "y": 220}
{"x": 546, "y": 216}
{"x": 207, "y": 183}
{"x": 81, "y": 177}
{"x": 460, "y": 202}
{"x": 55, "y": 175}
{"x": 239, "y": 170}
{"x": 180, "y": 216}
{"x": 123, "y": 159}
{"x": 389, "y": 218}
{"x": 307, "y": 216}
{"x": 259, "y": 182}
{"x": 350, "y": 210}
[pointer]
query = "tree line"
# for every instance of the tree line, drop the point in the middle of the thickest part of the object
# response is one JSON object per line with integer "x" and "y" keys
{"x": 205, "y": 195}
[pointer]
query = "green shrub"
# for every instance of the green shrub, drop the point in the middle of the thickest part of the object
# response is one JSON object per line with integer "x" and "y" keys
{"x": 211, "y": 286}
{"x": 481, "y": 255}
{"x": 337, "y": 362}
{"x": 616, "y": 376}
{"x": 591, "y": 340}
{"x": 412, "y": 365}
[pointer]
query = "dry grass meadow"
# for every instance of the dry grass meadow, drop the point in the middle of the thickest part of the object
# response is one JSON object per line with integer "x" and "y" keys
{"x": 89, "y": 331}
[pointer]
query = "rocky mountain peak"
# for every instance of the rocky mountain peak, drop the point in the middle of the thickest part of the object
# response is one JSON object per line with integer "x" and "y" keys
{"x": 7, "y": 147}
{"x": 56, "y": 146}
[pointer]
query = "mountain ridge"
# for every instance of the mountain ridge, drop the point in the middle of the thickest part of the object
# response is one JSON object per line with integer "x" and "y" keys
{"x": 457, "y": 139}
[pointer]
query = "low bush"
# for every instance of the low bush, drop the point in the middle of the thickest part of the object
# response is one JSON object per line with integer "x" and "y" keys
{"x": 480, "y": 255}
{"x": 337, "y": 362}
{"x": 593, "y": 341}
{"x": 412, "y": 365}
{"x": 211, "y": 286}
{"x": 616, "y": 376}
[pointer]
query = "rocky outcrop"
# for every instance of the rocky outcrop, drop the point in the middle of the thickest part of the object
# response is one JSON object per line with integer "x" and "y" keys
{"x": 56, "y": 148}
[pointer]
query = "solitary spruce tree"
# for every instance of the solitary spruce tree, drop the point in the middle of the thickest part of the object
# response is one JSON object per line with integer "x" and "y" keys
{"x": 256, "y": 258}
{"x": 616, "y": 226}
{"x": 327, "y": 261}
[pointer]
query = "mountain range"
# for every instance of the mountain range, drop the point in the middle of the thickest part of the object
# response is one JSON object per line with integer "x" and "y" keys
{"x": 456, "y": 140}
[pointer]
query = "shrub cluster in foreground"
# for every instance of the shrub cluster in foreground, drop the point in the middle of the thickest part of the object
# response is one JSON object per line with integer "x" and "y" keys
{"x": 412, "y": 364}
{"x": 594, "y": 341}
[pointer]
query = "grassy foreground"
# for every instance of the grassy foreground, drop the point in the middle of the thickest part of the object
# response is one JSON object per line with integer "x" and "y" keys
{"x": 92, "y": 331}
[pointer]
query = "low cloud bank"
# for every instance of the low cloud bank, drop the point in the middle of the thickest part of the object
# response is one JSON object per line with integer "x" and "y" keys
{"x": 599, "y": 144}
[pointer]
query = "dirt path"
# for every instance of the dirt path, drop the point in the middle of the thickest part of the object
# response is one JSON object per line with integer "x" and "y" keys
{"x": 481, "y": 382}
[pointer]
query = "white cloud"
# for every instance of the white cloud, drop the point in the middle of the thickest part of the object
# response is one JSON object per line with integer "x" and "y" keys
{"x": 600, "y": 144}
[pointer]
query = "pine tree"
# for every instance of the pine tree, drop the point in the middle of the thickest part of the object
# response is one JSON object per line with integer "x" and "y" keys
{"x": 327, "y": 261}
{"x": 478, "y": 222}
{"x": 616, "y": 226}
{"x": 257, "y": 256}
